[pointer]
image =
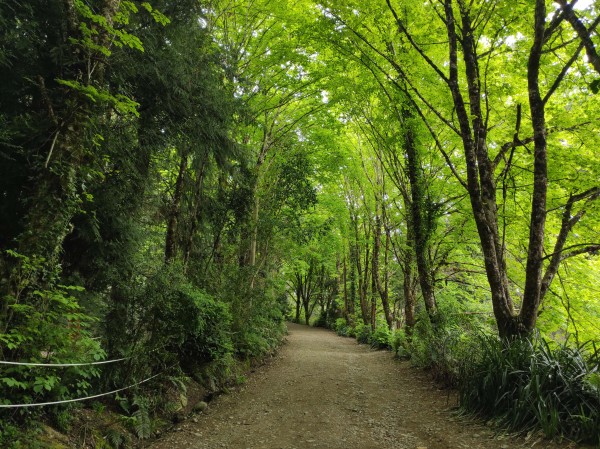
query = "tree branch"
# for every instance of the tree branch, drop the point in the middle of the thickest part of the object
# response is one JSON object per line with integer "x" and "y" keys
{"x": 522, "y": 142}
{"x": 562, "y": 74}
{"x": 427, "y": 59}
{"x": 400, "y": 72}
{"x": 567, "y": 224}
{"x": 591, "y": 249}
{"x": 583, "y": 33}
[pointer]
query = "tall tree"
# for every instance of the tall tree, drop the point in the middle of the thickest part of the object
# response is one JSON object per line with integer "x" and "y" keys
{"x": 469, "y": 76}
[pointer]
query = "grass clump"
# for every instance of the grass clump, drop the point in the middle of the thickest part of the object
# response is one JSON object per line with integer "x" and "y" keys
{"x": 527, "y": 384}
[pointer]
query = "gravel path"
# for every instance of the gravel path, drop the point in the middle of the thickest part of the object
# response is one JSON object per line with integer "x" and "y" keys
{"x": 324, "y": 391}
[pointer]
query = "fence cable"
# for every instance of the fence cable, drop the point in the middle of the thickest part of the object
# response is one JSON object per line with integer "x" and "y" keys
{"x": 42, "y": 404}
{"x": 62, "y": 365}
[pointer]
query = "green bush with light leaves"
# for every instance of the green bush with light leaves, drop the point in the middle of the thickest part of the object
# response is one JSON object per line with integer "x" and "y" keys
{"x": 45, "y": 325}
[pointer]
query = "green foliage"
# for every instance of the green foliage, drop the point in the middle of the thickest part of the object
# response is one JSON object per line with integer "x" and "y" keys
{"x": 45, "y": 326}
{"x": 11, "y": 436}
{"x": 208, "y": 337}
{"x": 400, "y": 343}
{"x": 363, "y": 333}
{"x": 142, "y": 423}
{"x": 141, "y": 413}
{"x": 117, "y": 438}
{"x": 156, "y": 14}
{"x": 99, "y": 107}
{"x": 178, "y": 324}
{"x": 439, "y": 347}
{"x": 527, "y": 383}
{"x": 380, "y": 339}
{"x": 121, "y": 103}
{"x": 63, "y": 418}
{"x": 250, "y": 135}
{"x": 295, "y": 193}
{"x": 258, "y": 320}
{"x": 95, "y": 22}
{"x": 341, "y": 327}
{"x": 321, "y": 321}
{"x": 422, "y": 343}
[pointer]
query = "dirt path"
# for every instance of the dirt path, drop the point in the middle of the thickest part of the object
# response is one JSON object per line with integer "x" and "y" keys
{"x": 325, "y": 391}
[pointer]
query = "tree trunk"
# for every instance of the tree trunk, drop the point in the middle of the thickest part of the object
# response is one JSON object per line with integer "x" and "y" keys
{"x": 363, "y": 280}
{"x": 346, "y": 311}
{"x": 410, "y": 297}
{"x": 175, "y": 210}
{"x": 410, "y": 281}
{"x": 298, "y": 302}
{"x": 195, "y": 219}
{"x": 480, "y": 174}
{"x": 385, "y": 298}
{"x": 382, "y": 289}
{"x": 361, "y": 274}
{"x": 306, "y": 303}
{"x": 299, "y": 295}
{"x": 254, "y": 236}
{"x": 480, "y": 177}
{"x": 352, "y": 298}
{"x": 375, "y": 281}
{"x": 420, "y": 225}
{"x": 472, "y": 115}
{"x": 537, "y": 222}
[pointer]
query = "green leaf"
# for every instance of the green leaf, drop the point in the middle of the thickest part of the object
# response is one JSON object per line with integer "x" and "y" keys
{"x": 12, "y": 382}
{"x": 156, "y": 15}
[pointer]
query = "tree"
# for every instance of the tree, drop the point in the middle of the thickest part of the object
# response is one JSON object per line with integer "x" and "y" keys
{"x": 471, "y": 84}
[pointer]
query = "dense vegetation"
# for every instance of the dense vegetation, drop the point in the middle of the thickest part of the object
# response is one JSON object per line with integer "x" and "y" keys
{"x": 178, "y": 176}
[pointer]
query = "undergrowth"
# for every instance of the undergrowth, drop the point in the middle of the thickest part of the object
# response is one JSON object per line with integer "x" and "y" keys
{"x": 381, "y": 338}
{"x": 528, "y": 384}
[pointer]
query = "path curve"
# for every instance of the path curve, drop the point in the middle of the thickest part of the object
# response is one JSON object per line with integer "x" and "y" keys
{"x": 327, "y": 392}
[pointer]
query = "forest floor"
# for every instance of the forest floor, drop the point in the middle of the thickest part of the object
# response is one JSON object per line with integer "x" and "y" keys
{"x": 325, "y": 391}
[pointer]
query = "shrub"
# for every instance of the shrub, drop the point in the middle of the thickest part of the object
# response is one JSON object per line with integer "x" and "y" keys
{"x": 257, "y": 338}
{"x": 436, "y": 346}
{"x": 207, "y": 337}
{"x": 185, "y": 321}
{"x": 170, "y": 325}
{"x": 258, "y": 324}
{"x": 422, "y": 343}
{"x": 381, "y": 338}
{"x": 399, "y": 343}
{"x": 321, "y": 321}
{"x": 341, "y": 327}
{"x": 527, "y": 384}
{"x": 363, "y": 333}
{"x": 351, "y": 331}
{"x": 45, "y": 324}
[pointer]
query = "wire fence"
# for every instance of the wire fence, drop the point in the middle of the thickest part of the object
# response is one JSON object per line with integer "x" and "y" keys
{"x": 63, "y": 365}
{"x": 66, "y": 401}
{"x": 66, "y": 365}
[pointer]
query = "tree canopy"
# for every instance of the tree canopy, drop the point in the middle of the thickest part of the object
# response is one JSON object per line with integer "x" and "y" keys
{"x": 177, "y": 178}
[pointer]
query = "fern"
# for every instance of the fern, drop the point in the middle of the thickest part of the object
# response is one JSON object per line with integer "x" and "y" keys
{"x": 115, "y": 438}
{"x": 142, "y": 423}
